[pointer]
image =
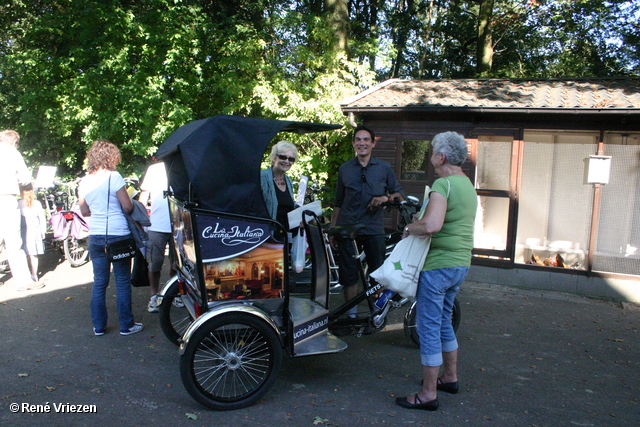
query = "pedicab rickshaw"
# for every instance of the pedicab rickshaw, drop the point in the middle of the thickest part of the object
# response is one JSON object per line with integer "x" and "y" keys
{"x": 233, "y": 264}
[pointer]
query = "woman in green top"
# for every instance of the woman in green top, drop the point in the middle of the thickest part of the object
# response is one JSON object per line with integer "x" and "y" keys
{"x": 449, "y": 221}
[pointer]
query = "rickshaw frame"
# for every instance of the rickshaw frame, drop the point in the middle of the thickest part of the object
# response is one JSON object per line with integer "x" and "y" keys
{"x": 232, "y": 324}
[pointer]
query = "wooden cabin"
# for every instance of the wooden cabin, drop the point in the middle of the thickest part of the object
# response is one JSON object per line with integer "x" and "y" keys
{"x": 556, "y": 164}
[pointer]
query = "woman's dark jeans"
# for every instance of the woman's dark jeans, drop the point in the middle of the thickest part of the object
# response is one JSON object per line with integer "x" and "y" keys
{"x": 101, "y": 273}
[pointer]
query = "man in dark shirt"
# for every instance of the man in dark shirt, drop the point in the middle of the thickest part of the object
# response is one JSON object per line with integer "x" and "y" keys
{"x": 364, "y": 183}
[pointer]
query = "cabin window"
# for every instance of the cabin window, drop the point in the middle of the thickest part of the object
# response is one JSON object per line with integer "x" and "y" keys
{"x": 555, "y": 204}
{"x": 618, "y": 239}
{"x": 415, "y": 159}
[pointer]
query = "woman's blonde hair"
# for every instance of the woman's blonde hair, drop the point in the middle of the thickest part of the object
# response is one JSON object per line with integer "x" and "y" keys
{"x": 28, "y": 196}
{"x": 282, "y": 146}
{"x": 102, "y": 154}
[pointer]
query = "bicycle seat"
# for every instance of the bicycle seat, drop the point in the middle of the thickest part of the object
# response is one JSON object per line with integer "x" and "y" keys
{"x": 346, "y": 231}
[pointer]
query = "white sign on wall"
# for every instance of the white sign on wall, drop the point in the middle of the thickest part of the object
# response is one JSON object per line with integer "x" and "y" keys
{"x": 599, "y": 169}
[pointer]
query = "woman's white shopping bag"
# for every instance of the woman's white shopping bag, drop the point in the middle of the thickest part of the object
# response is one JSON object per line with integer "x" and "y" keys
{"x": 400, "y": 272}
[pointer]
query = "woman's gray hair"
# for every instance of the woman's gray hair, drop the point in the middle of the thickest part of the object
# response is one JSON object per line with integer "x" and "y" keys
{"x": 280, "y": 147}
{"x": 452, "y": 145}
{"x": 10, "y": 137}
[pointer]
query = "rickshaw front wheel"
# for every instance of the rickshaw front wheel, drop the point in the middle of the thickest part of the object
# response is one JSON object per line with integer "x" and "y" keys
{"x": 173, "y": 315}
{"x": 231, "y": 361}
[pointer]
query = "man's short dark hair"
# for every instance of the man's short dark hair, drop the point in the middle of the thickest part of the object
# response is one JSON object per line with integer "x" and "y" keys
{"x": 359, "y": 128}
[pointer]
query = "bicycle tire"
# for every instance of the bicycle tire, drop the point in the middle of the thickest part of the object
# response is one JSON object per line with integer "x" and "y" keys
{"x": 411, "y": 330}
{"x": 75, "y": 251}
{"x": 231, "y": 361}
{"x": 4, "y": 262}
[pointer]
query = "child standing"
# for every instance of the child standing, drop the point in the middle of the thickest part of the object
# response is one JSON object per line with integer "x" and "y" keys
{"x": 33, "y": 227}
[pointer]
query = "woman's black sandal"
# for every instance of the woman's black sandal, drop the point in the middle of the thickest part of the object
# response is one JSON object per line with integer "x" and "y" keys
{"x": 427, "y": 406}
{"x": 447, "y": 387}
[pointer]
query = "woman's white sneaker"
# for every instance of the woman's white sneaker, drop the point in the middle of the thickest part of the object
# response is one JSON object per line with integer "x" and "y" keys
{"x": 137, "y": 327}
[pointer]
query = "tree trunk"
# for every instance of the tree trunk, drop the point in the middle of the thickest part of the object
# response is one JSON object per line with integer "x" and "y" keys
{"x": 484, "y": 52}
{"x": 426, "y": 37}
{"x": 403, "y": 27}
{"x": 373, "y": 28}
{"x": 339, "y": 20}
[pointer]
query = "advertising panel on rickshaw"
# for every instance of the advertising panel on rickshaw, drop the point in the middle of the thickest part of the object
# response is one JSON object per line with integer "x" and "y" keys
{"x": 239, "y": 257}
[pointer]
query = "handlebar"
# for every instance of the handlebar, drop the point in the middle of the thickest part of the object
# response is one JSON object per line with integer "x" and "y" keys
{"x": 397, "y": 203}
{"x": 315, "y": 189}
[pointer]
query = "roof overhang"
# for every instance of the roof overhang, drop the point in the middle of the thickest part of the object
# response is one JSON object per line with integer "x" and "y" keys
{"x": 487, "y": 110}
{"x": 588, "y": 96}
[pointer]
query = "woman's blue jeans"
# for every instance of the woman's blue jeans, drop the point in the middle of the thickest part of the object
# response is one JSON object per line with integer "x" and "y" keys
{"x": 101, "y": 273}
{"x": 437, "y": 290}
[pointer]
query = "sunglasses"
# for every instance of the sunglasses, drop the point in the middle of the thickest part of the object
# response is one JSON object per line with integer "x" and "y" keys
{"x": 283, "y": 157}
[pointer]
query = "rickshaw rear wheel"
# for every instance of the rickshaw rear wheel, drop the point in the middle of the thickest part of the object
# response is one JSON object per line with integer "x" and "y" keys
{"x": 231, "y": 361}
{"x": 410, "y": 322}
{"x": 174, "y": 318}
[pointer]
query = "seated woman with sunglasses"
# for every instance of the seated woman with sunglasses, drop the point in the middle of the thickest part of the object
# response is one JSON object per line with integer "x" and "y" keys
{"x": 277, "y": 187}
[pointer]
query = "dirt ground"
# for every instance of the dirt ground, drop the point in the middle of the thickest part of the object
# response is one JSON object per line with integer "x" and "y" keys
{"x": 527, "y": 358}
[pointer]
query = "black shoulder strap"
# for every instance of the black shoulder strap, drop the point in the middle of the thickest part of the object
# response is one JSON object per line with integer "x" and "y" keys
{"x": 106, "y": 233}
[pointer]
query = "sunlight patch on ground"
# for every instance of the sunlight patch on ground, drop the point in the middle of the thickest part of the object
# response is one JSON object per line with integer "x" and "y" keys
{"x": 63, "y": 277}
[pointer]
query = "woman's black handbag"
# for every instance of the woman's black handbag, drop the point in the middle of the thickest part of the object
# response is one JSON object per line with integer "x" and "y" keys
{"x": 121, "y": 250}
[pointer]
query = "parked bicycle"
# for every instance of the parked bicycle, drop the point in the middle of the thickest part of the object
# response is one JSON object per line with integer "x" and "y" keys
{"x": 4, "y": 263}
{"x": 175, "y": 318}
{"x": 132, "y": 184}
{"x": 406, "y": 208}
{"x": 67, "y": 230}
{"x": 60, "y": 197}
{"x": 71, "y": 233}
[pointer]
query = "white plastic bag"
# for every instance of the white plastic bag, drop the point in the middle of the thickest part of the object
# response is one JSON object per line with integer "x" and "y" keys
{"x": 299, "y": 251}
{"x": 400, "y": 272}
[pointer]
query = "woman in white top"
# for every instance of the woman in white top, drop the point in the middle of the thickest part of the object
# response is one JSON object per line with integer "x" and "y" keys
{"x": 103, "y": 198}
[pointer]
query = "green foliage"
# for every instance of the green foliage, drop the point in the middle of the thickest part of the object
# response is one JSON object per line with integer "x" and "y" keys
{"x": 73, "y": 71}
{"x": 132, "y": 72}
{"x": 531, "y": 38}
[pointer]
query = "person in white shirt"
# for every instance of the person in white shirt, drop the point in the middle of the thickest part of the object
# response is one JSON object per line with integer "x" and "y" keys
{"x": 13, "y": 174}
{"x": 153, "y": 187}
{"x": 103, "y": 198}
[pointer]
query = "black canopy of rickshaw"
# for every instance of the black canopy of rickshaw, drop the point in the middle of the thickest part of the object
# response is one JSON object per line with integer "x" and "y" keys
{"x": 216, "y": 161}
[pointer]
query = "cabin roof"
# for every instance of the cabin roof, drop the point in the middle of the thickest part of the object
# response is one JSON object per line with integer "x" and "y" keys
{"x": 603, "y": 95}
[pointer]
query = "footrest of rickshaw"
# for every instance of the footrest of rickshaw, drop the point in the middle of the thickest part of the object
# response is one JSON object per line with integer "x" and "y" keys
{"x": 310, "y": 333}
{"x": 322, "y": 343}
